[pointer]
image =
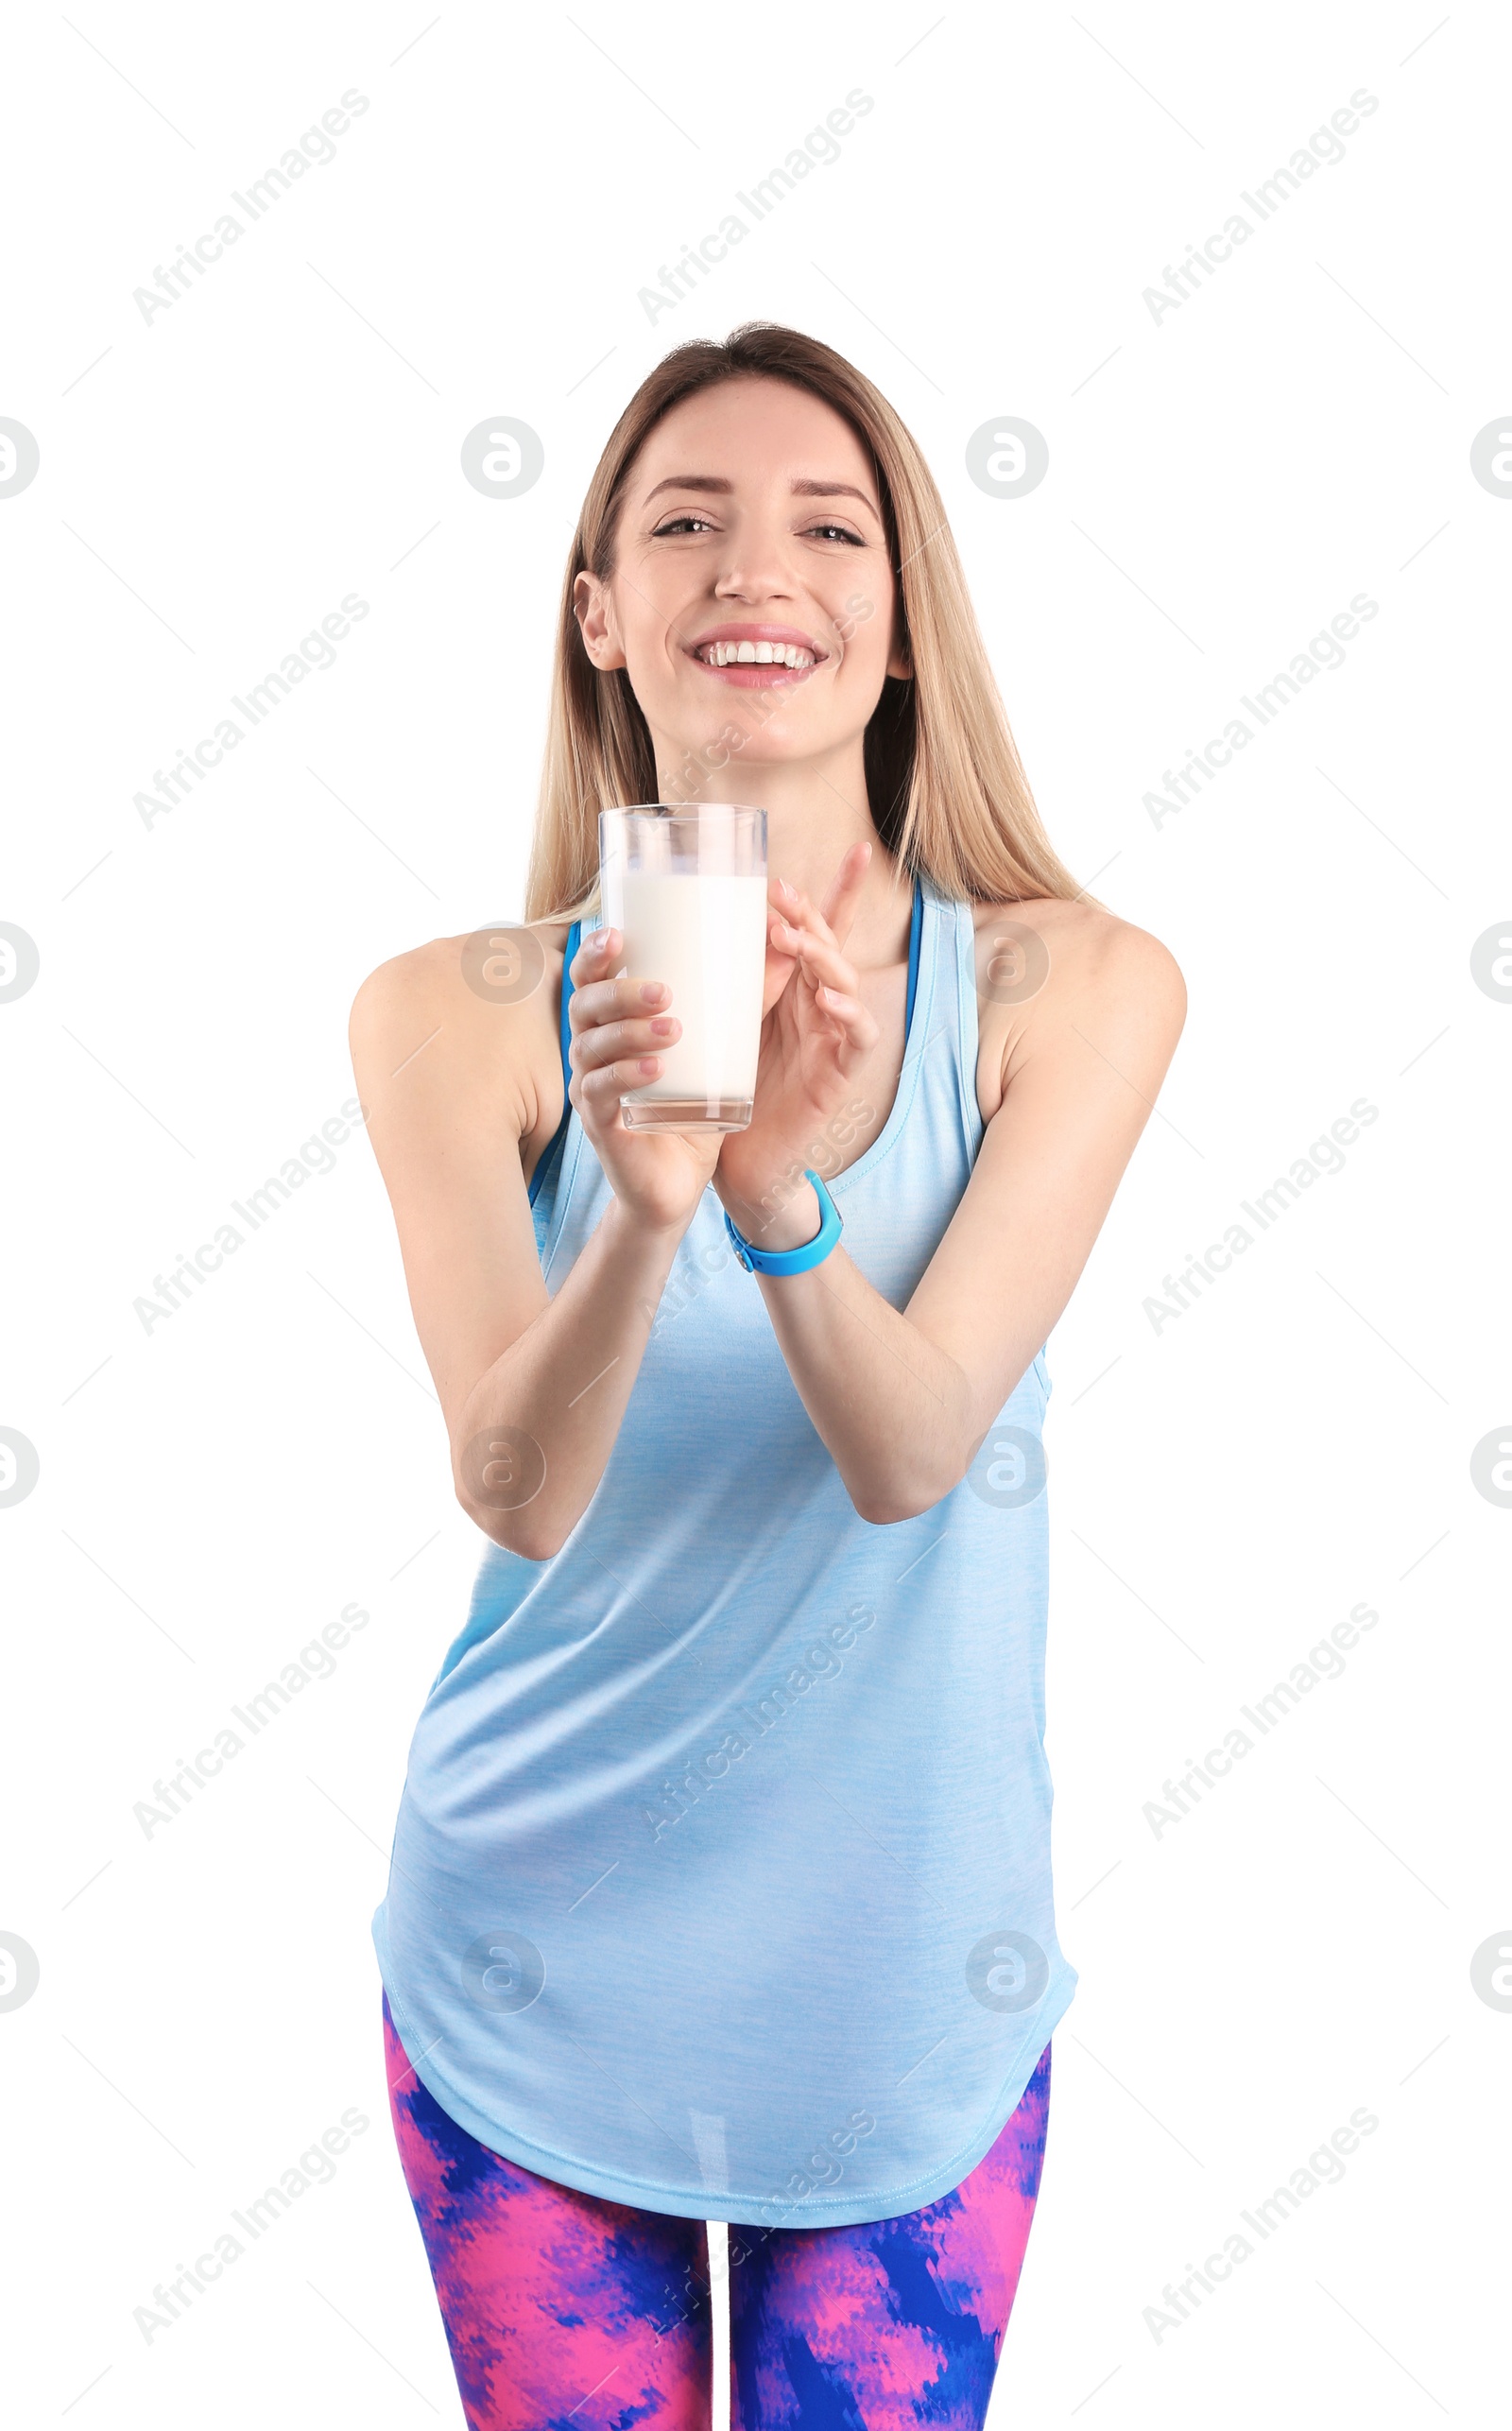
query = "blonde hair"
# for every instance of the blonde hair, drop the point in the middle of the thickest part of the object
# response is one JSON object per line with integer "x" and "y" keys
{"x": 946, "y": 792}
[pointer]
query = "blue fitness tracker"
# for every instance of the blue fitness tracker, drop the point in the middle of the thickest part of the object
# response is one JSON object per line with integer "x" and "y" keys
{"x": 791, "y": 1262}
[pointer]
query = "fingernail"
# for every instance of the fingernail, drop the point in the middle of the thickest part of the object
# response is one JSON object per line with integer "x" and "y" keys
{"x": 652, "y": 991}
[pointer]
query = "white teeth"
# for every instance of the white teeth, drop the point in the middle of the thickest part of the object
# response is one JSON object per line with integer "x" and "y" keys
{"x": 783, "y": 654}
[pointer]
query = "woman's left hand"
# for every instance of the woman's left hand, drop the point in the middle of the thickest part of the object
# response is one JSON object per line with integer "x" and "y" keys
{"x": 815, "y": 1032}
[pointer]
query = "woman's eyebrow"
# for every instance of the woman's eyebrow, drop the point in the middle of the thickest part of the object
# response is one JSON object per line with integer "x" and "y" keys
{"x": 703, "y": 481}
{"x": 715, "y": 485}
{"x": 832, "y": 489}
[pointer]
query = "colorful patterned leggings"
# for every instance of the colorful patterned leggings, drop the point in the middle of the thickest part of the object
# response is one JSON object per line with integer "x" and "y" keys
{"x": 567, "y": 2313}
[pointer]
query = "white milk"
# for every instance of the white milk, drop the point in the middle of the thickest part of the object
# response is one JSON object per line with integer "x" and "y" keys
{"x": 706, "y": 937}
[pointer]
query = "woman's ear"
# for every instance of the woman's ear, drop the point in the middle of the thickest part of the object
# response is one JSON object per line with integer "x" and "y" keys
{"x": 899, "y": 659}
{"x": 594, "y": 611}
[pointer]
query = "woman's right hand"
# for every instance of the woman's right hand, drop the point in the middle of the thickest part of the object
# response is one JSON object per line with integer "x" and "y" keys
{"x": 618, "y": 1026}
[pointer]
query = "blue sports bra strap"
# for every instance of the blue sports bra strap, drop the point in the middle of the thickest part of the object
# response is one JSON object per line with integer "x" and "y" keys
{"x": 915, "y": 933}
{"x": 544, "y": 1162}
{"x": 575, "y": 935}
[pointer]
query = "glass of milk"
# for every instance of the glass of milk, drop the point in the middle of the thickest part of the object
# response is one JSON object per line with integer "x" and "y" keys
{"x": 687, "y": 888}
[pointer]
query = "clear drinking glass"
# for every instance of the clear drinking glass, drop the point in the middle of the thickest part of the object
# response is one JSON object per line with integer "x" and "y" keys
{"x": 687, "y": 888}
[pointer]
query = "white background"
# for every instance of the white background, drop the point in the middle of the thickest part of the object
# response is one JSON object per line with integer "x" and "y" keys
{"x": 1221, "y": 483}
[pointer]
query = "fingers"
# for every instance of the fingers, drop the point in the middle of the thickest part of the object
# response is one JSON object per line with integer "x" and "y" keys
{"x": 594, "y": 955}
{"x": 832, "y": 982}
{"x": 596, "y": 1092}
{"x": 842, "y": 900}
{"x": 807, "y": 939}
{"x": 594, "y": 960}
{"x": 840, "y": 904}
{"x": 598, "y": 1000}
{"x": 819, "y": 957}
{"x": 611, "y": 1043}
{"x": 616, "y": 1026}
{"x": 845, "y": 889}
{"x": 858, "y": 1027}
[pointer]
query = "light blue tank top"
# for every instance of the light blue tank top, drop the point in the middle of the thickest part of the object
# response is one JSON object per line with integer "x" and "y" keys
{"x": 721, "y": 1879}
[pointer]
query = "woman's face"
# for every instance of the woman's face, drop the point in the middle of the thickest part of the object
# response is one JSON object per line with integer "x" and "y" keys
{"x": 752, "y": 599}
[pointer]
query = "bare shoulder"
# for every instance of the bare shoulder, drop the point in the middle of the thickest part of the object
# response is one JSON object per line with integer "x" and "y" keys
{"x": 1046, "y": 968}
{"x": 1085, "y": 949}
{"x": 462, "y": 1026}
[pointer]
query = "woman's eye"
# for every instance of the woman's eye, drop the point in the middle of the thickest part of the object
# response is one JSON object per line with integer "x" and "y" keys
{"x": 681, "y": 524}
{"x": 836, "y": 532}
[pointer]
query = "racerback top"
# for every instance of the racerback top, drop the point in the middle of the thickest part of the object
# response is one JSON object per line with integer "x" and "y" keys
{"x": 720, "y": 1884}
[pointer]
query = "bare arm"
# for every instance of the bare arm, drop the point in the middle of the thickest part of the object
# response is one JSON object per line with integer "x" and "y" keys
{"x": 904, "y": 1398}
{"x": 533, "y": 1387}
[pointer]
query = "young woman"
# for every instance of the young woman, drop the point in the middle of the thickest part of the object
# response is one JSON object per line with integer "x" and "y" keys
{"x": 721, "y": 1881}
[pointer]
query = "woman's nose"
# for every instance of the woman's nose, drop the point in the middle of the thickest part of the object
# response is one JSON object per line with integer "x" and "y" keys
{"x": 755, "y": 567}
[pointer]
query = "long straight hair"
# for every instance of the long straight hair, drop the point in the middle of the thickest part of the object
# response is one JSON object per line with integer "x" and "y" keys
{"x": 946, "y": 792}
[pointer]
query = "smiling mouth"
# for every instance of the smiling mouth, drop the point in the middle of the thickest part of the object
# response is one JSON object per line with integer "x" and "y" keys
{"x": 751, "y": 656}
{"x": 790, "y": 655}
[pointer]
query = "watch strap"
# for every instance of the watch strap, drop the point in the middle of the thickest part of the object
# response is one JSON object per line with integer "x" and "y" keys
{"x": 791, "y": 1262}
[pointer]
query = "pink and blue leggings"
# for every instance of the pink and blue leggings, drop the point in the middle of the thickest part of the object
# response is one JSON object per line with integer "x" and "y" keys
{"x": 566, "y": 2313}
